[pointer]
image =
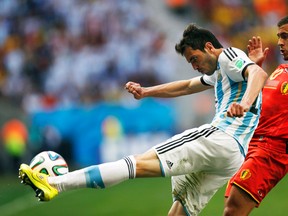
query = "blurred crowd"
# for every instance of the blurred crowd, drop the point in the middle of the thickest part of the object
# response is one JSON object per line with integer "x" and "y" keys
{"x": 60, "y": 53}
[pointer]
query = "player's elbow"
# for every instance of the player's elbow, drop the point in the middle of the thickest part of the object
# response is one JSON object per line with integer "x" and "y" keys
{"x": 264, "y": 74}
{"x": 259, "y": 72}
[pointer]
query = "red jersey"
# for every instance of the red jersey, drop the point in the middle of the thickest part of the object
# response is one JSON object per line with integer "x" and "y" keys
{"x": 274, "y": 114}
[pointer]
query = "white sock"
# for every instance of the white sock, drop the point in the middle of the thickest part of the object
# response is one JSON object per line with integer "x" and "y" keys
{"x": 97, "y": 176}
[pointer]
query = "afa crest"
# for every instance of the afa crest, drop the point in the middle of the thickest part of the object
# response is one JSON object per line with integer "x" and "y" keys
{"x": 219, "y": 77}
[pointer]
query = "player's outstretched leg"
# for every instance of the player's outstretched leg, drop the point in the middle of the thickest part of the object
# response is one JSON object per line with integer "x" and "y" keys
{"x": 97, "y": 176}
{"x": 38, "y": 181}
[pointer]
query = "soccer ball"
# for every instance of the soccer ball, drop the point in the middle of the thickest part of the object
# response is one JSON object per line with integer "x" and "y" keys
{"x": 50, "y": 163}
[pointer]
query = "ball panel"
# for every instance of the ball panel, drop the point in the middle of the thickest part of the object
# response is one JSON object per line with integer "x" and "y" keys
{"x": 44, "y": 170}
{"x": 60, "y": 169}
{"x": 36, "y": 161}
{"x": 53, "y": 156}
{"x": 50, "y": 163}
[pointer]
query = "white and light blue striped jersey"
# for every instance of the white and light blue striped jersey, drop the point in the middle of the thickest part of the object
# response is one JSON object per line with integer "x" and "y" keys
{"x": 230, "y": 85}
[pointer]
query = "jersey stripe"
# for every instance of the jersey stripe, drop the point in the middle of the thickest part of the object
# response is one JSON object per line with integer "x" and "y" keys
{"x": 184, "y": 139}
{"x": 230, "y": 53}
{"x": 230, "y": 49}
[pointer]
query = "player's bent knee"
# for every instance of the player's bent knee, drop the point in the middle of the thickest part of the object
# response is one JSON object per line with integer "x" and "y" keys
{"x": 148, "y": 165}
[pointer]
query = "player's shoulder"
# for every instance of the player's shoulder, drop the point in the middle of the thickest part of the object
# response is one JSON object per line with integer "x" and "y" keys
{"x": 283, "y": 66}
{"x": 281, "y": 69}
{"x": 232, "y": 53}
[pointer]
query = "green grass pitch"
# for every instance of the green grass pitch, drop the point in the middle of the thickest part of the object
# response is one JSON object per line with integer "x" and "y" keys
{"x": 140, "y": 197}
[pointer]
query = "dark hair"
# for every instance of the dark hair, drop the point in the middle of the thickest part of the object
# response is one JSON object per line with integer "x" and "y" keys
{"x": 283, "y": 21}
{"x": 196, "y": 38}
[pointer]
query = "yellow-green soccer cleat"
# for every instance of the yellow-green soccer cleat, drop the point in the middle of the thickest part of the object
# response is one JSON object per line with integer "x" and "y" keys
{"x": 38, "y": 181}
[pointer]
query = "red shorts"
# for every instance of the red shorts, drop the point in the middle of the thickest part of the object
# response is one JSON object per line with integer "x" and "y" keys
{"x": 265, "y": 165}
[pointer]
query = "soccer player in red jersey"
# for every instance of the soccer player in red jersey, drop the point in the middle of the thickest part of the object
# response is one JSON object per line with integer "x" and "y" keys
{"x": 266, "y": 162}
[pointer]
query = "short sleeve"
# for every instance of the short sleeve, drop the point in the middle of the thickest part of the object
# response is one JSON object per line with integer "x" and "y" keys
{"x": 206, "y": 80}
{"x": 234, "y": 62}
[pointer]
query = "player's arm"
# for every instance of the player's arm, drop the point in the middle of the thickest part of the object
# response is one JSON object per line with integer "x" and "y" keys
{"x": 255, "y": 50}
{"x": 167, "y": 90}
{"x": 256, "y": 80}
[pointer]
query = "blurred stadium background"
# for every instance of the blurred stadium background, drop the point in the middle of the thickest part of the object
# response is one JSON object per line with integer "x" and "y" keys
{"x": 63, "y": 67}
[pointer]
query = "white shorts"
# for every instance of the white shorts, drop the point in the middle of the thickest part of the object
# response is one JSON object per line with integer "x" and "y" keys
{"x": 201, "y": 160}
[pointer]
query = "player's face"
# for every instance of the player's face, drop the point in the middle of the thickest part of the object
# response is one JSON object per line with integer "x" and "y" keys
{"x": 283, "y": 40}
{"x": 204, "y": 62}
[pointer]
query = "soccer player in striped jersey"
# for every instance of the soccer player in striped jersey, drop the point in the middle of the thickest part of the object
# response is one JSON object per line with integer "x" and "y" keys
{"x": 199, "y": 160}
{"x": 267, "y": 160}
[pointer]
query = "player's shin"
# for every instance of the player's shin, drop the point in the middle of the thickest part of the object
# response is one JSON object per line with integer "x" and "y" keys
{"x": 97, "y": 176}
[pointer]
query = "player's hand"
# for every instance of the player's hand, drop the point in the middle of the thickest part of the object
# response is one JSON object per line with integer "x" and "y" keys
{"x": 135, "y": 89}
{"x": 255, "y": 50}
{"x": 236, "y": 110}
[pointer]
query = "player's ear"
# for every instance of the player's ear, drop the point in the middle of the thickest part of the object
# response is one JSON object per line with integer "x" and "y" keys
{"x": 209, "y": 47}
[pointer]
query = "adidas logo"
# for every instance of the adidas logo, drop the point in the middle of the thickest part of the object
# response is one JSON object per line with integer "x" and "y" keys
{"x": 169, "y": 164}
